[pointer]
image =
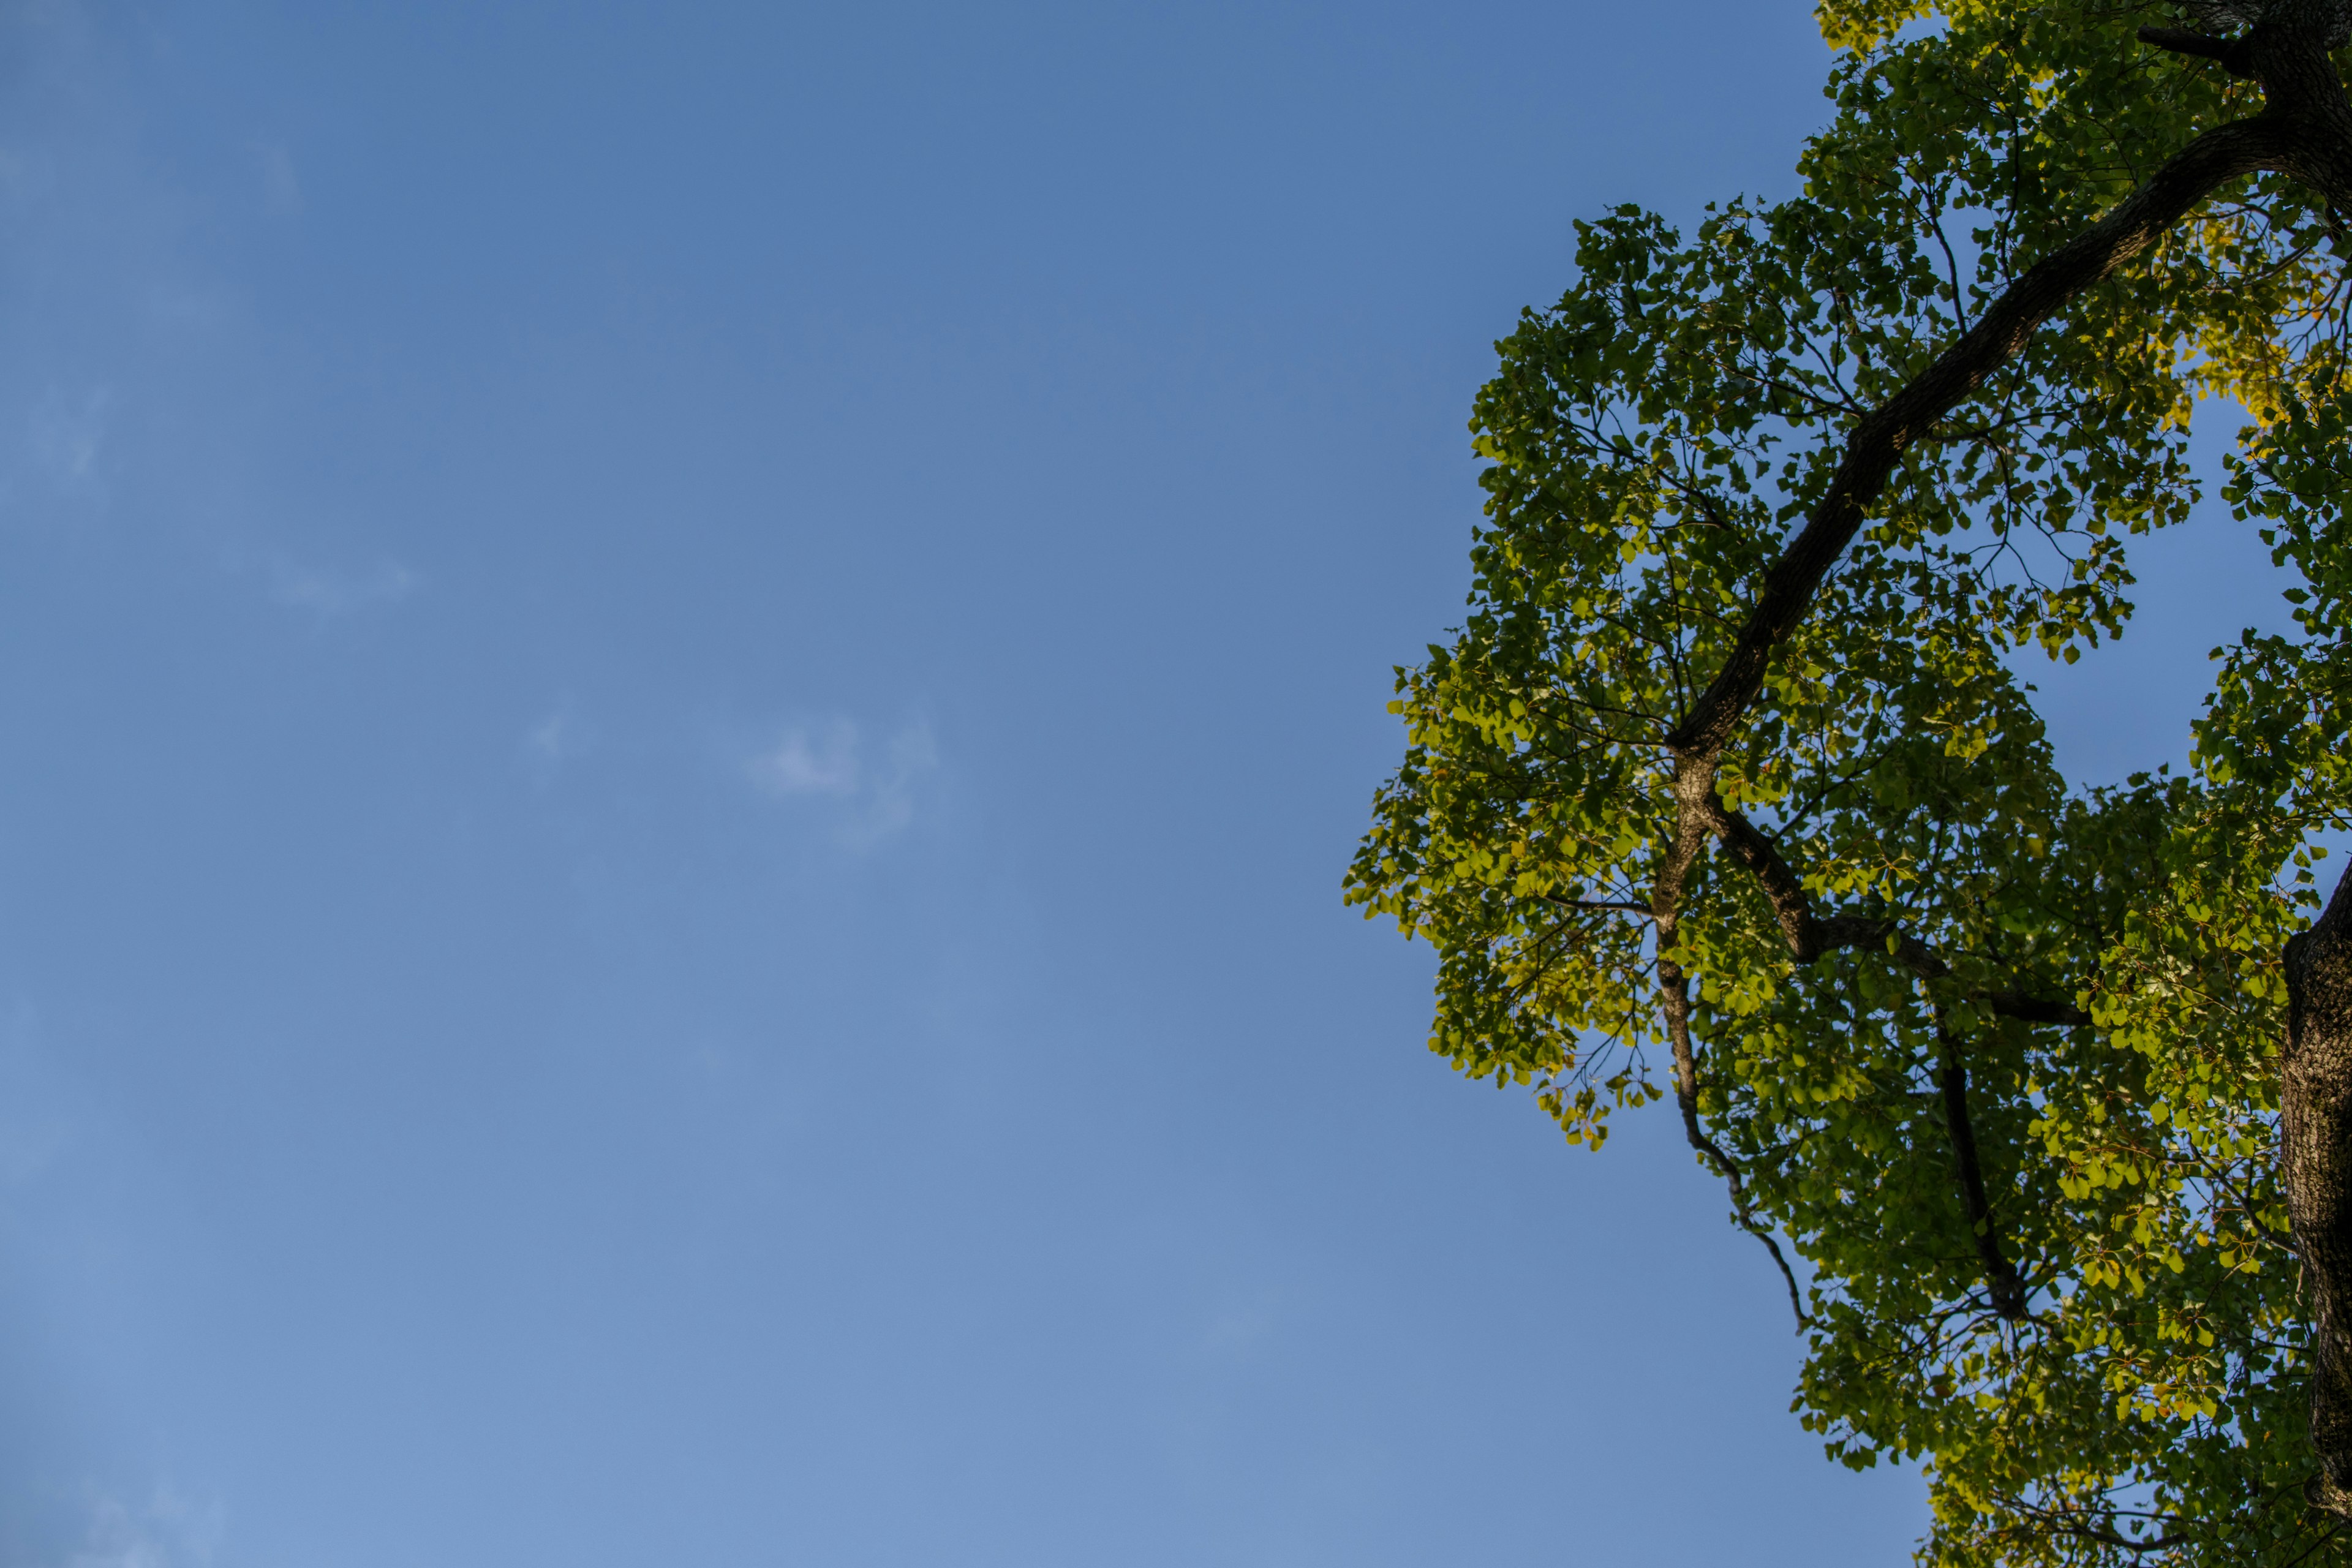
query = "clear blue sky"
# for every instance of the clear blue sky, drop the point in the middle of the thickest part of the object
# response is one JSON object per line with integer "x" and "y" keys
{"x": 682, "y": 689}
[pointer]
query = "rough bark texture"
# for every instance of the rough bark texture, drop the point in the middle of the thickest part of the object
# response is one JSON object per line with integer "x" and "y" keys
{"x": 2306, "y": 132}
{"x": 2316, "y": 1151}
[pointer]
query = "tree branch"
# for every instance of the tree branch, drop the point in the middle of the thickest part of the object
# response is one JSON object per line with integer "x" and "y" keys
{"x": 1677, "y": 991}
{"x": 2232, "y": 53}
{"x": 2002, "y": 1283}
{"x": 1628, "y": 906}
{"x": 2305, "y": 132}
{"x": 1879, "y": 439}
{"x": 1811, "y": 935}
{"x": 2034, "y": 1010}
{"x": 1673, "y": 1001}
{"x": 1877, "y": 443}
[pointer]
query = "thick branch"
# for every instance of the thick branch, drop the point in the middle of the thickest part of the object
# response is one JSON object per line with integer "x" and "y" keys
{"x": 2034, "y": 1010}
{"x": 1808, "y": 935}
{"x": 1880, "y": 439}
{"x": 2002, "y": 1283}
{"x": 2230, "y": 52}
{"x": 1811, "y": 935}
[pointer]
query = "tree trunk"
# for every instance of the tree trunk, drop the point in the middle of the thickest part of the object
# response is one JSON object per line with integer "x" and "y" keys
{"x": 2315, "y": 1166}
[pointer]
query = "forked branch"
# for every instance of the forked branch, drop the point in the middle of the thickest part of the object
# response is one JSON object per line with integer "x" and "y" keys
{"x": 1809, "y": 935}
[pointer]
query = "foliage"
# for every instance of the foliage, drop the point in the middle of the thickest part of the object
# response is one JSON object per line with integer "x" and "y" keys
{"x": 1653, "y": 440}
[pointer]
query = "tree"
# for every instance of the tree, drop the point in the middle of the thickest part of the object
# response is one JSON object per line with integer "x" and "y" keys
{"x": 1729, "y": 785}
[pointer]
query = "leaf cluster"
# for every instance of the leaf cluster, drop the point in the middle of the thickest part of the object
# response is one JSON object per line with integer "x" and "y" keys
{"x": 1653, "y": 440}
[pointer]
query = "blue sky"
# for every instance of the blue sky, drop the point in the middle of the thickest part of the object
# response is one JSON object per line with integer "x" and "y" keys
{"x": 683, "y": 692}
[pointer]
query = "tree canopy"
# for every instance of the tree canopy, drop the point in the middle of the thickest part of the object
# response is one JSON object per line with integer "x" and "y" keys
{"x": 1731, "y": 788}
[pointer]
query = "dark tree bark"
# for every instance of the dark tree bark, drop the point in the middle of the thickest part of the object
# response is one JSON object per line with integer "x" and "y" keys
{"x": 2316, "y": 1153}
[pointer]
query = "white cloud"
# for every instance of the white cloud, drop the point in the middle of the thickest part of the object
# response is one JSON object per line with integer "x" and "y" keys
{"x": 560, "y": 736}
{"x": 821, "y": 764}
{"x": 168, "y": 1532}
{"x": 331, "y": 591}
{"x": 878, "y": 785}
{"x": 65, "y": 435}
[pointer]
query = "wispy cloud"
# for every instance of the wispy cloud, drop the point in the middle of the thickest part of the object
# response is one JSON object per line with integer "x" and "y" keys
{"x": 557, "y": 738}
{"x": 560, "y": 736}
{"x": 823, "y": 764}
{"x": 64, "y": 437}
{"x": 281, "y": 188}
{"x": 874, "y": 787}
{"x": 329, "y": 592}
{"x": 166, "y": 1532}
